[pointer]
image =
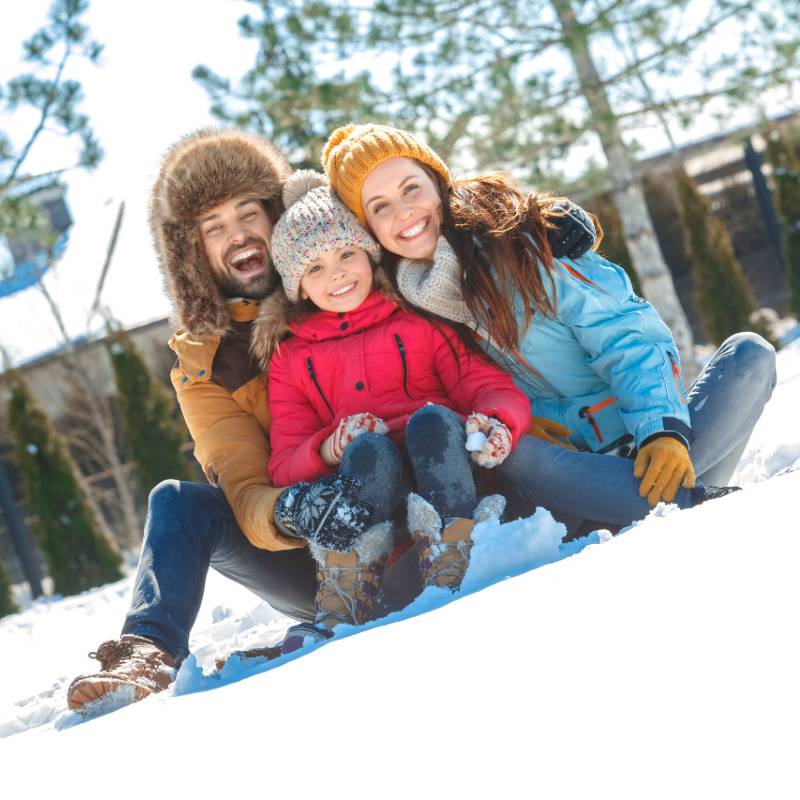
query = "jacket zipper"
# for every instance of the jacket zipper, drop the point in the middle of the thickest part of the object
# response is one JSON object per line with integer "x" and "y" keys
{"x": 676, "y": 375}
{"x": 402, "y": 350}
{"x": 310, "y": 368}
{"x": 586, "y": 412}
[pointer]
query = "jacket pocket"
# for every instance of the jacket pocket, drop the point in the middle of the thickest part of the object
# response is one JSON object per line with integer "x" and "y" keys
{"x": 676, "y": 376}
{"x": 600, "y": 424}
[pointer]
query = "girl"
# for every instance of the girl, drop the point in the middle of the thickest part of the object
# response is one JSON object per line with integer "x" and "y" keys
{"x": 376, "y": 397}
{"x": 598, "y": 364}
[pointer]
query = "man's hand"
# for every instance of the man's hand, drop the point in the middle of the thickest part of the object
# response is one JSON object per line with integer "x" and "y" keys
{"x": 348, "y": 429}
{"x": 663, "y": 464}
{"x": 574, "y": 232}
{"x": 497, "y": 444}
{"x": 551, "y": 431}
{"x": 327, "y": 512}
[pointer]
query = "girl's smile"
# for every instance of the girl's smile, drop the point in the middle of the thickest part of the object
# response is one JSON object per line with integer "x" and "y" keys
{"x": 338, "y": 280}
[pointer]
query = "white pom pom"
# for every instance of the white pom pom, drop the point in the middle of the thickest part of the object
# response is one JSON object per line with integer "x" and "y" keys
{"x": 301, "y": 182}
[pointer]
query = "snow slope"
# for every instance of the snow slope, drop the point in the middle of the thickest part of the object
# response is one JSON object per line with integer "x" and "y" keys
{"x": 661, "y": 663}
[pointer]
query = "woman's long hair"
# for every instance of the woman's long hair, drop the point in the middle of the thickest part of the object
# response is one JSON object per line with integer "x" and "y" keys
{"x": 499, "y": 235}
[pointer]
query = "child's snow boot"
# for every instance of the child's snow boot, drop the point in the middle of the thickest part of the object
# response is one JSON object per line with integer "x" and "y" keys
{"x": 348, "y": 585}
{"x": 443, "y": 547}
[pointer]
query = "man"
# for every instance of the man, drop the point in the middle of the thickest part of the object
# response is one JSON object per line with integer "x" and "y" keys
{"x": 213, "y": 206}
{"x": 212, "y": 209}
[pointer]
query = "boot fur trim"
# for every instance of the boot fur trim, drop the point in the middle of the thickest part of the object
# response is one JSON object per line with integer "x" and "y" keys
{"x": 374, "y": 544}
{"x": 490, "y": 507}
{"x": 423, "y": 518}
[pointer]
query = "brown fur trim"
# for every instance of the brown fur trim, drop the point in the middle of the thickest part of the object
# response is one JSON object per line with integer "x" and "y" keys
{"x": 270, "y": 327}
{"x": 202, "y": 170}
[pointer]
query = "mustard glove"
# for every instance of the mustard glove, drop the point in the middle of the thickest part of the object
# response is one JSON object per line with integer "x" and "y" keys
{"x": 663, "y": 464}
{"x": 550, "y": 431}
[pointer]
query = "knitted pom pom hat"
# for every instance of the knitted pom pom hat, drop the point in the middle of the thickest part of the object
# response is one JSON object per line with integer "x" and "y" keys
{"x": 353, "y": 151}
{"x": 315, "y": 222}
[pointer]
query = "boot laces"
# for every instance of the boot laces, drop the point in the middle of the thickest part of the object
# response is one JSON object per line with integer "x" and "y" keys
{"x": 110, "y": 654}
{"x": 113, "y": 653}
{"x": 330, "y": 585}
{"x": 449, "y": 561}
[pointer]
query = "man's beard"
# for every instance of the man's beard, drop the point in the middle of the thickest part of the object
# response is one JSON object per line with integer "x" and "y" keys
{"x": 254, "y": 289}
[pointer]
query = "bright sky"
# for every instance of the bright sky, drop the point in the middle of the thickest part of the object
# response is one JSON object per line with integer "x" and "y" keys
{"x": 140, "y": 99}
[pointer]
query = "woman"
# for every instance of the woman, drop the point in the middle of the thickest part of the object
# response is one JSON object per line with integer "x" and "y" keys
{"x": 598, "y": 364}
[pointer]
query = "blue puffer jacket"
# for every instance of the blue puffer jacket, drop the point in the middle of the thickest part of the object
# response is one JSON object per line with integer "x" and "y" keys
{"x": 606, "y": 365}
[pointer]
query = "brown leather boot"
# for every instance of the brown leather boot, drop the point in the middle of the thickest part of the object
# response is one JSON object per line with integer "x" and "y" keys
{"x": 131, "y": 668}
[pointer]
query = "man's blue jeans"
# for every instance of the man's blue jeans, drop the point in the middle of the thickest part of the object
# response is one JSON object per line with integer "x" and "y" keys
{"x": 189, "y": 528}
{"x": 588, "y": 490}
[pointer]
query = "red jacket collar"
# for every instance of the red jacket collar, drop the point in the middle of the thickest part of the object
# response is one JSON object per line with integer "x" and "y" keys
{"x": 324, "y": 325}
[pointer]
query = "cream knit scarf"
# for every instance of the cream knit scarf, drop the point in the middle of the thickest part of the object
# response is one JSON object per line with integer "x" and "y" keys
{"x": 436, "y": 285}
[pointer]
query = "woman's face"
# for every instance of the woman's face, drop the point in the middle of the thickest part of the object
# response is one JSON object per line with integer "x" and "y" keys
{"x": 403, "y": 208}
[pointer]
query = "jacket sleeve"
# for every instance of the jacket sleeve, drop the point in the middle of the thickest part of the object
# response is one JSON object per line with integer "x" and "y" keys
{"x": 477, "y": 385}
{"x": 627, "y": 344}
{"x": 297, "y": 432}
{"x": 230, "y": 444}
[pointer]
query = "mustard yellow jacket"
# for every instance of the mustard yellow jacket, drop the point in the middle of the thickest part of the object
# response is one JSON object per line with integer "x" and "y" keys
{"x": 223, "y": 396}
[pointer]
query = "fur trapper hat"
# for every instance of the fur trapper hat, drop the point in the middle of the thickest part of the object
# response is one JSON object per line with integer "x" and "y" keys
{"x": 315, "y": 222}
{"x": 202, "y": 170}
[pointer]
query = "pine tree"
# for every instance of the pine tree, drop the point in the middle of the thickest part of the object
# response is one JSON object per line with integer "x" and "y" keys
{"x": 785, "y": 163}
{"x": 722, "y": 292}
{"x": 7, "y": 605}
{"x": 153, "y": 436}
{"x": 77, "y": 556}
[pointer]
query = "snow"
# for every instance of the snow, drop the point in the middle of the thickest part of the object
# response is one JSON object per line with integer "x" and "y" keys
{"x": 659, "y": 663}
{"x": 475, "y": 441}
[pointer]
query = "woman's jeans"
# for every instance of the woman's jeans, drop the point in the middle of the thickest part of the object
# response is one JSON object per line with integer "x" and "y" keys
{"x": 585, "y": 490}
{"x": 190, "y": 527}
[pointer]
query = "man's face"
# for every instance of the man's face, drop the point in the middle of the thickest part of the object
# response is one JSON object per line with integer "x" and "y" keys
{"x": 236, "y": 235}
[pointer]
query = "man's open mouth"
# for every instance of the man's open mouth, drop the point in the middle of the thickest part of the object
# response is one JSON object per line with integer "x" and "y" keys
{"x": 248, "y": 260}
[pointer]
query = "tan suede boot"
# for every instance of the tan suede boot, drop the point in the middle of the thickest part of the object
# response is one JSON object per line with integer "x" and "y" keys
{"x": 131, "y": 668}
{"x": 444, "y": 548}
{"x": 348, "y": 584}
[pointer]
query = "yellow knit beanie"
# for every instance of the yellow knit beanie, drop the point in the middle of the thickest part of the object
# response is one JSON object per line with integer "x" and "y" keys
{"x": 353, "y": 151}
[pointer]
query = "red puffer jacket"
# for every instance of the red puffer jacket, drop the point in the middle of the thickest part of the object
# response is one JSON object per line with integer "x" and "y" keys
{"x": 376, "y": 358}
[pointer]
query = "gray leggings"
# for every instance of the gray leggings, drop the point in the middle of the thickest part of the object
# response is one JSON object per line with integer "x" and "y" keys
{"x": 588, "y": 490}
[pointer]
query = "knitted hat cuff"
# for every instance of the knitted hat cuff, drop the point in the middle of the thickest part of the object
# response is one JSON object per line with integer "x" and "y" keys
{"x": 354, "y": 151}
{"x": 315, "y": 223}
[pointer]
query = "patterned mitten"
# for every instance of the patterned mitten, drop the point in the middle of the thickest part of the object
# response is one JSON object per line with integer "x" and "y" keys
{"x": 498, "y": 440}
{"x": 328, "y": 512}
{"x": 347, "y": 430}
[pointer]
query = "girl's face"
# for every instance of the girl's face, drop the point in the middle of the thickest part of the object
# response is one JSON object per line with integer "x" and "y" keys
{"x": 403, "y": 208}
{"x": 338, "y": 280}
